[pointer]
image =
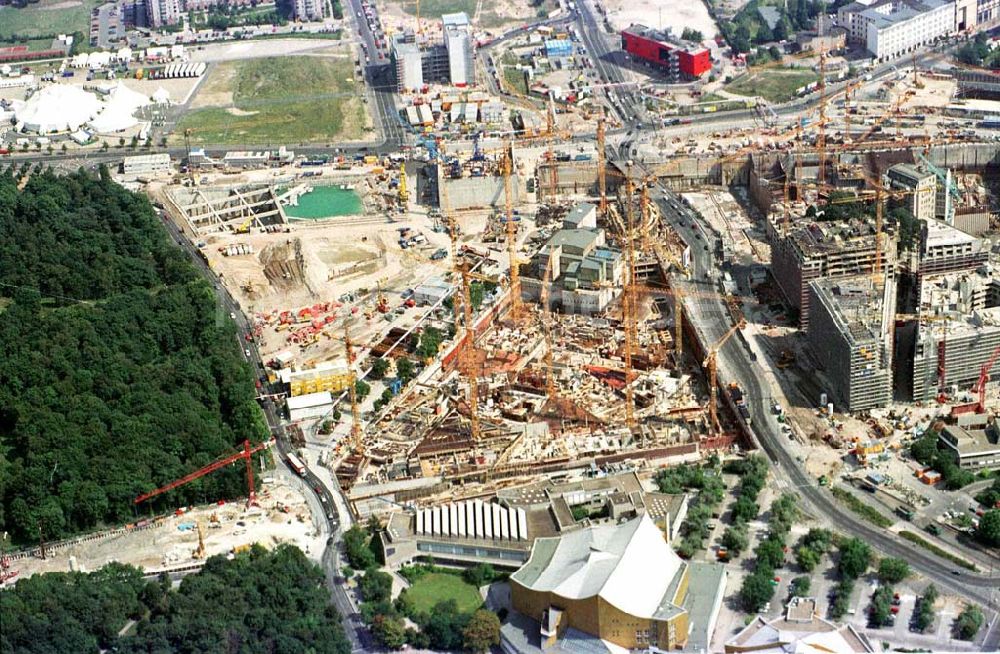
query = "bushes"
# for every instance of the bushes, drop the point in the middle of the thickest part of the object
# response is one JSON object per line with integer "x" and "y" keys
{"x": 358, "y": 549}
{"x": 710, "y": 491}
{"x": 842, "y": 598}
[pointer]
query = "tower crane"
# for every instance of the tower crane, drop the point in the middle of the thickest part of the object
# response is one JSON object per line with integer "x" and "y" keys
{"x": 602, "y": 181}
{"x": 550, "y": 382}
{"x": 356, "y": 440}
{"x": 629, "y": 309}
{"x": 550, "y": 130}
{"x": 507, "y": 167}
{"x": 980, "y": 388}
{"x": 246, "y": 454}
{"x": 710, "y": 364}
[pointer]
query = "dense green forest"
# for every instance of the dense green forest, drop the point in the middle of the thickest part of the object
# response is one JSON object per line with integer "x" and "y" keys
{"x": 259, "y": 602}
{"x": 118, "y": 372}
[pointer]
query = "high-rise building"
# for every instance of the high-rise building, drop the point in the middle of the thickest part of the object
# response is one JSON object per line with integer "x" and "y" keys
{"x": 305, "y": 10}
{"x": 458, "y": 44}
{"x": 409, "y": 62}
{"x": 160, "y": 13}
{"x": 850, "y": 331}
{"x": 922, "y": 184}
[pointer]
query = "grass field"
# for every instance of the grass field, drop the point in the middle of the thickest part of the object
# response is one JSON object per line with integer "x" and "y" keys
{"x": 435, "y": 587}
{"x": 774, "y": 85}
{"x": 47, "y": 17}
{"x": 434, "y": 8}
{"x": 277, "y": 100}
{"x": 931, "y": 547}
{"x": 869, "y": 513}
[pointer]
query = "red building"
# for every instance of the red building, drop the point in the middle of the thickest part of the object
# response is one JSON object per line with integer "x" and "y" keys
{"x": 679, "y": 59}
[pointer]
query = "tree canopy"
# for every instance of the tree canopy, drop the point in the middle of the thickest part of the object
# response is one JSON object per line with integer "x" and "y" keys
{"x": 119, "y": 371}
{"x": 258, "y": 602}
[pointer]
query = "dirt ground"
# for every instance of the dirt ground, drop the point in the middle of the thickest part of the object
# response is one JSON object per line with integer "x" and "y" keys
{"x": 260, "y": 48}
{"x": 673, "y": 15}
{"x": 167, "y": 545}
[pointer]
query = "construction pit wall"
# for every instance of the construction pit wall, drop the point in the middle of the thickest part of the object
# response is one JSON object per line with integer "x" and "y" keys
{"x": 765, "y": 170}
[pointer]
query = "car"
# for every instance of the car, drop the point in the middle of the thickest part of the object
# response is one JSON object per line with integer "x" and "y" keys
{"x": 232, "y": 316}
{"x": 246, "y": 351}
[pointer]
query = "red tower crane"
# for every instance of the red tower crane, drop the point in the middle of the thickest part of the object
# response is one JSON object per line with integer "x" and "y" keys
{"x": 980, "y": 388}
{"x": 246, "y": 454}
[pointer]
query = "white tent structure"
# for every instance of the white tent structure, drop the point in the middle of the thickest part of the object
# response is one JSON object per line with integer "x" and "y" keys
{"x": 56, "y": 108}
{"x": 119, "y": 110}
{"x": 161, "y": 96}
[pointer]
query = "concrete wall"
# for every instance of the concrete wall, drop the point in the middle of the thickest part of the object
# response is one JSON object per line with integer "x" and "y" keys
{"x": 480, "y": 192}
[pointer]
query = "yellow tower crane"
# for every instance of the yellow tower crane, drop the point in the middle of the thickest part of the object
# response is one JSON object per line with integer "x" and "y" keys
{"x": 629, "y": 308}
{"x": 713, "y": 391}
{"x": 356, "y": 436}
{"x": 550, "y": 382}
{"x": 507, "y": 167}
{"x": 602, "y": 182}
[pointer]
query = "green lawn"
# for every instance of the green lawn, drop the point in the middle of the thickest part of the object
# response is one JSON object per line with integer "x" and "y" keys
{"x": 44, "y": 19}
{"x": 774, "y": 85}
{"x": 434, "y": 8}
{"x": 436, "y": 587}
{"x": 280, "y": 100}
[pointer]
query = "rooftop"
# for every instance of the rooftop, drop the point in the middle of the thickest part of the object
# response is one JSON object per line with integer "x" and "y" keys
{"x": 856, "y": 305}
{"x": 661, "y": 37}
{"x": 782, "y": 636}
{"x": 907, "y": 11}
{"x": 606, "y": 561}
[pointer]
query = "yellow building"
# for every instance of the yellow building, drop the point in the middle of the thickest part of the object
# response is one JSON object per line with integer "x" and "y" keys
{"x": 621, "y": 583}
{"x": 329, "y": 377}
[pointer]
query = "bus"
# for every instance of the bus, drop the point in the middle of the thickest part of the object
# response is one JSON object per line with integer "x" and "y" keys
{"x": 296, "y": 464}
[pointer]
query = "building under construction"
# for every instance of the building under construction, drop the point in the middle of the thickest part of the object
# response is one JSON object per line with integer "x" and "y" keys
{"x": 850, "y": 333}
{"x": 950, "y": 351}
{"x": 832, "y": 250}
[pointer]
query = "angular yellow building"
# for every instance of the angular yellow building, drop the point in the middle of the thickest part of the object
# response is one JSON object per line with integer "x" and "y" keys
{"x": 621, "y": 583}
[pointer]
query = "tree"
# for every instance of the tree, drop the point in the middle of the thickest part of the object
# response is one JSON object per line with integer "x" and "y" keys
{"x": 771, "y": 553}
{"x": 807, "y": 558}
{"x": 104, "y": 146}
{"x": 480, "y": 575}
{"x": 988, "y": 531}
{"x": 359, "y": 554}
{"x": 735, "y": 538}
{"x": 923, "y": 615}
{"x": 881, "y": 607}
{"x": 969, "y": 622}
{"x": 121, "y": 142}
{"x": 482, "y": 633}
{"x": 781, "y": 29}
{"x": 445, "y": 626}
{"x": 361, "y": 389}
{"x": 375, "y": 586}
{"x": 892, "y": 570}
{"x": 756, "y": 591}
{"x": 841, "y": 598}
{"x": 854, "y": 557}
{"x": 690, "y": 34}
{"x": 764, "y": 34}
{"x": 379, "y": 369}
{"x": 404, "y": 370}
{"x": 800, "y": 587}
{"x": 744, "y": 509}
{"x": 389, "y": 631}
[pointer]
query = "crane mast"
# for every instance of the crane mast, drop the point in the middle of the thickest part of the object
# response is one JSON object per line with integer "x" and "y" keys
{"x": 629, "y": 305}
{"x": 713, "y": 387}
{"x": 602, "y": 181}
{"x": 353, "y": 392}
{"x": 516, "y": 306}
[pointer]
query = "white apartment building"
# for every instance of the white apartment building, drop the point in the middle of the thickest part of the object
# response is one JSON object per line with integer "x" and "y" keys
{"x": 896, "y": 28}
{"x": 458, "y": 43}
{"x": 306, "y": 10}
{"x": 163, "y": 12}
